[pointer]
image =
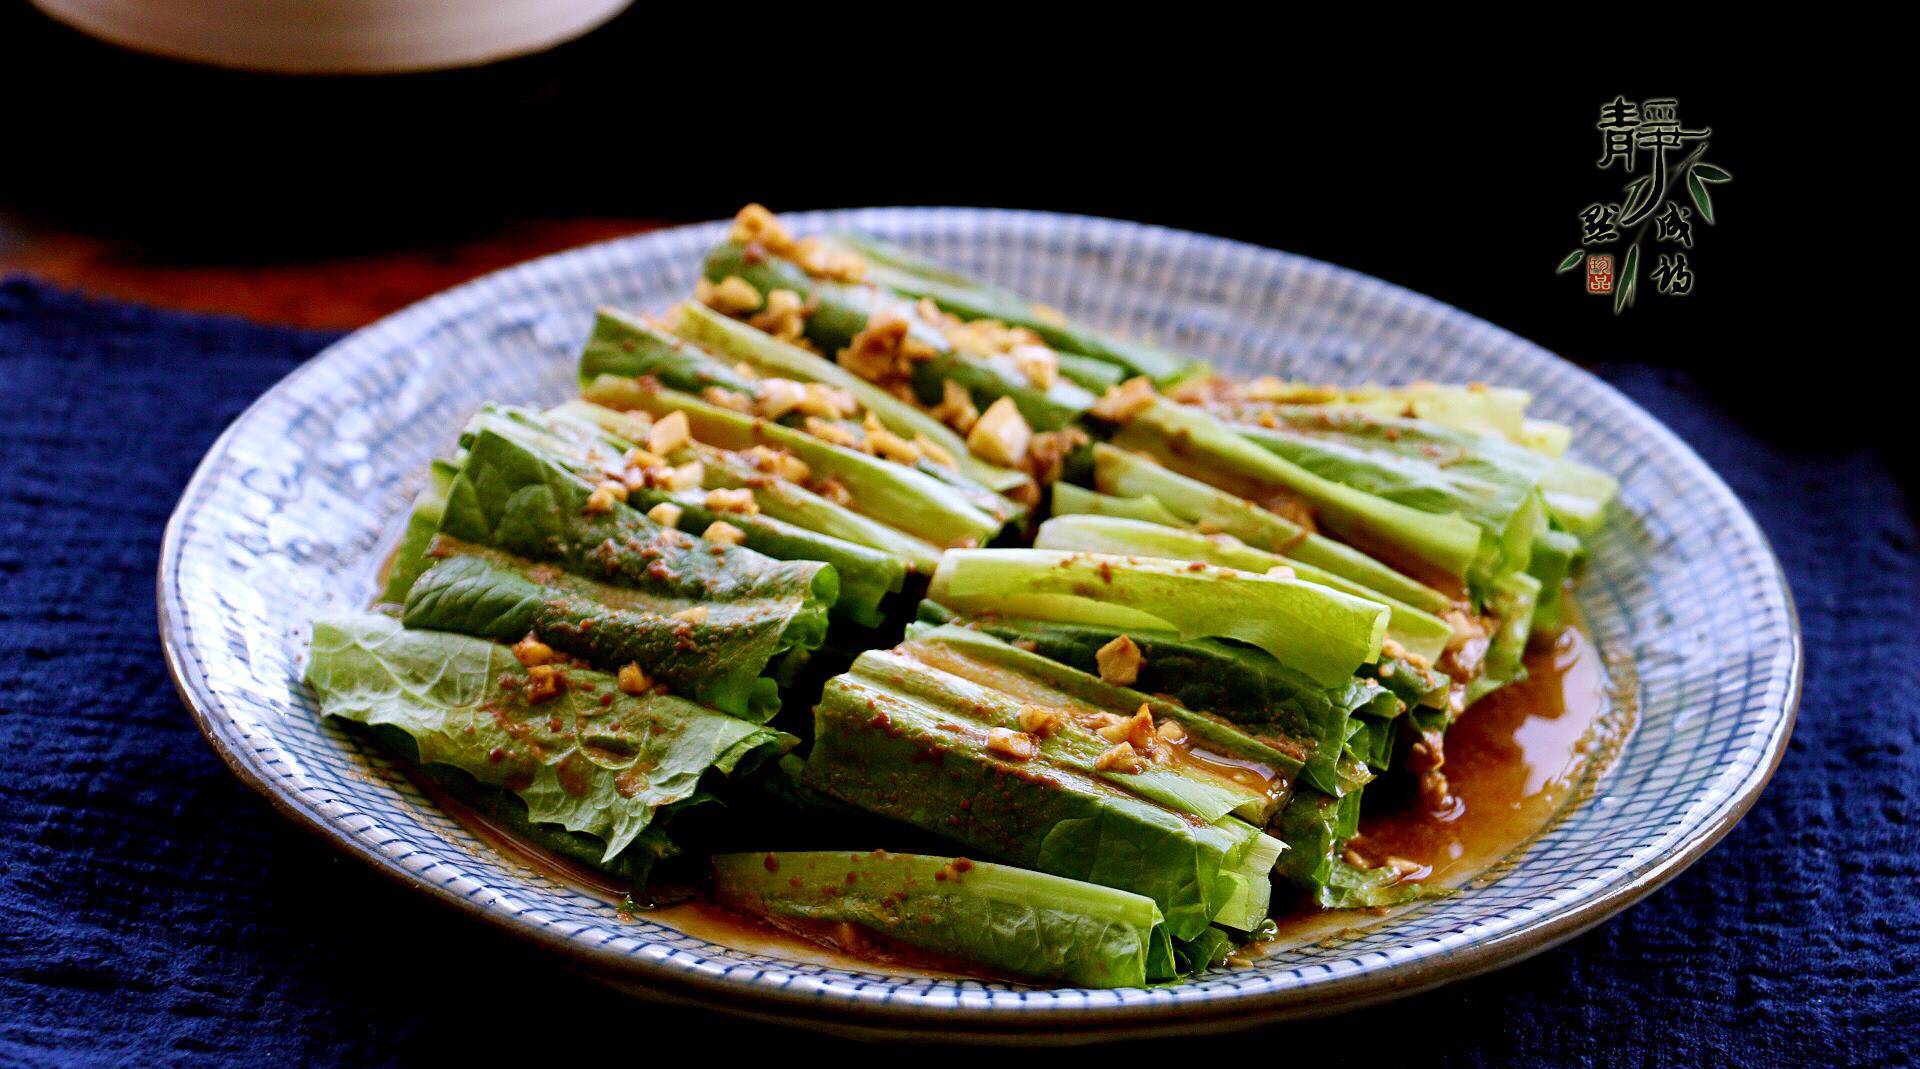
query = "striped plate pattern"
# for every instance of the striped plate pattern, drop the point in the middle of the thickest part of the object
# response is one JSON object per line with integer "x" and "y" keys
{"x": 289, "y": 513}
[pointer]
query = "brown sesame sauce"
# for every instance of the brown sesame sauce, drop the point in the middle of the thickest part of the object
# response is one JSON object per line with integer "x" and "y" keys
{"x": 1516, "y": 761}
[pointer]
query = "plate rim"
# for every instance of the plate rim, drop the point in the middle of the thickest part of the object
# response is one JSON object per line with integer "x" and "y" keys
{"x": 985, "y": 1022}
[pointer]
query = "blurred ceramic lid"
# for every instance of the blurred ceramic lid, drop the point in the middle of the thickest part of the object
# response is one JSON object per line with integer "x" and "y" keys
{"x": 335, "y": 36}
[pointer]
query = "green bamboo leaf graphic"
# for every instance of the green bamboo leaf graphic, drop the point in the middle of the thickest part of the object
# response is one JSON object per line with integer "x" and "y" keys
{"x": 1709, "y": 173}
{"x": 1637, "y": 192}
{"x": 1698, "y": 191}
{"x": 1623, "y": 286}
{"x": 1572, "y": 261}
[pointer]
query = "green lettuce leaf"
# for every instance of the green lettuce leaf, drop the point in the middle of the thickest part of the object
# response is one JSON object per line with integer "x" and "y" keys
{"x": 1127, "y": 474}
{"x": 772, "y": 357}
{"x": 1445, "y": 542}
{"x": 1350, "y": 887}
{"x": 590, "y": 451}
{"x": 908, "y": 498}
{"x": 718, "y": 660}
{"x": 1071, "y": 500}
{"x": 1269, "y": 702}
{"x": 905, "y": 740}
{"x": 1229, "y": 770}
{"x": 1320, "y": 632}
{"x": 513, "y": 499}
{"x": 1008, "y": 920}
{"x": 600, "y": 769}
{"x": 905, "y": 273}
{"x": 778, "y": 498}
{"x": 410, "y": 557}
{"x": 1419, "y": 633}
{"x": 839, "y": 311}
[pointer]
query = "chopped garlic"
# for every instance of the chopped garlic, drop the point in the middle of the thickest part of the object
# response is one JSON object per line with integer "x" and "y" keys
{"x": 827, "y": 402}
{"x": 784, "y": 316}
{"x": 778, "y": 397}
{"x": 732, "y": 295}
{"x": 1037, "y": 363}
{"x": 1120, "y": 661}
{"x": 1123, "y": 402}
{"x": 531, "y": 651}
{"x": 632, "y": 680}
{"x": 1035, "y": 720}
{"x": 666, "y": 514}
{"x": 935, "y": 452}
{"x": 545, "y": 681}
{"x": 1014, "y": 744}
{"x": 830, "y": 432}
{"x": 1120, "y": 758}
{"x": 893, "y": 447}
{"x": 754, "y": 224}
{"x": 599, "y": 502}
{"x": 669, "y": 433}
{"x": 1001, "y": 435}
{"x": 956, "y": 408}
{"x": 739, "y": 500}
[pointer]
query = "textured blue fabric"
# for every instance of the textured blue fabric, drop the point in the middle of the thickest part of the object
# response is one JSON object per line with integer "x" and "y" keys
{"x": 154, "y": 910}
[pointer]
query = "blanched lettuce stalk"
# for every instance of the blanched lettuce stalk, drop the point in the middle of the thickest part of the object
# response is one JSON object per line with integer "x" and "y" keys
{"x": 1097, "y": 376}
{"x": 625, "y": 345}
{"x": 512, "y": 499}
{"x": 1555, "y": 555}
{"x": 1436, "y": 469}
{"x": 839, "y": 311}
{"x": 866, "y": 575}
{"x": 1271, "y": 703}
{"x": 719, "y": 659}
{"x": 410, "y": 557}
{"x": 602, "y": 769}
{"x": 1371, "y": 741}
{"x": 1247, "y": 906}
{"x": 903, "y": 272}
{"x": 1321, "y": 632}
{"x": 1512, "y": 604}
{"x": 725, "y": 428}
{"x": 1348, "y": 887}
{"x": 628, "y": 347}
{"x": 1578, "y": 496}
{"x": 1419, "y": 633}
{"x": 1071, "y": 500}
{"x": 908, "y": 741}
{"x": 1215, "y": 770}
{"x": 1126, "y": 474}
{"x": 1495, "y": 410}
{"x": 1316, "y": 827}
{"x": 1448, "y": 543}
{"x": 778, "y": 498}
{"x": 1008, "y": 920}
{"x": 774, "y": 358}
{"x": 1545, "y": 436}
{"x": 898, "y": 495}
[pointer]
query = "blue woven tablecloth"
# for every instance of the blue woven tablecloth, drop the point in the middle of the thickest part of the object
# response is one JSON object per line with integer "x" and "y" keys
{"x": 154, "y": 910}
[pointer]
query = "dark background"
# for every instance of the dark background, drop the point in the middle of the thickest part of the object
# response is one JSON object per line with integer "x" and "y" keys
{"x": 1457, "y": 178}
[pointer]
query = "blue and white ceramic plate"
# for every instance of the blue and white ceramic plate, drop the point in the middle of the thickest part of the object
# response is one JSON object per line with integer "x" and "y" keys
{"x": 293, "y": 508}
